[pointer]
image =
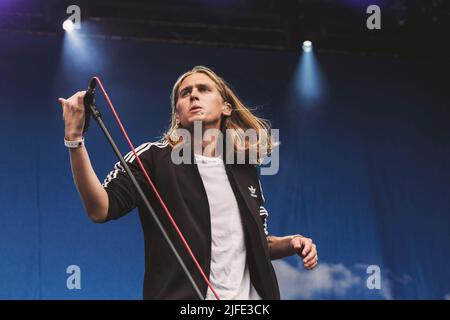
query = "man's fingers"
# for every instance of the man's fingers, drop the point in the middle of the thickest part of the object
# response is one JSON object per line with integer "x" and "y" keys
{"x": 298, "y": 247}
{"x": 62, "y": 101}
{"x": 78, "y": 95}
{"x": 312, "y": 265}
{"x": 311, "y": 259}
{"x": 311, "y": 255}
{"x": 307, "y": 248}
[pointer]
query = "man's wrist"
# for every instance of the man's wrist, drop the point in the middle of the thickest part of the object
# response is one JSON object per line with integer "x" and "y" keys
{"x": 296, "y": 236}
{"x": 73, "y": 137}
{"x": 74, "y": 144}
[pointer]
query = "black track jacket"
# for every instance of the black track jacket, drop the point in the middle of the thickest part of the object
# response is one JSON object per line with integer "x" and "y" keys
{"x": 181, "y": 188}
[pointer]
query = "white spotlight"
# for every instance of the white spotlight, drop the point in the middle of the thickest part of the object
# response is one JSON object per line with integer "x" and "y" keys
{"x": 68, "y": 25}
{"x": 307, "y": 46}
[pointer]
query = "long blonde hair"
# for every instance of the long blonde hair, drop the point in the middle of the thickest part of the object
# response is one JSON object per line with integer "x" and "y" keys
{"x": 240, "y": 120}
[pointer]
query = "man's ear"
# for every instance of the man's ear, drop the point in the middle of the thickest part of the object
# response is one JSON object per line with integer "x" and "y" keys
{"x": 226, "y": 110}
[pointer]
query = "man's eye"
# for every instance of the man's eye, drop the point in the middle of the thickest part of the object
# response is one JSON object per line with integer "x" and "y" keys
{"x": 184, "y": 93}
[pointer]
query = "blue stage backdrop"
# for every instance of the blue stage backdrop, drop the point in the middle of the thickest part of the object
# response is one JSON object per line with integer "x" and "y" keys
{"x": 364, "y": 166}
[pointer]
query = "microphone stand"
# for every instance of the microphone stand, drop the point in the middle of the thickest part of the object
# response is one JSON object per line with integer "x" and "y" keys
{"x": 91, "y": 109}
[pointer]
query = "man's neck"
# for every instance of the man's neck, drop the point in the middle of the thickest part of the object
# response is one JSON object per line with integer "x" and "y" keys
{"x": 208, "y": 144}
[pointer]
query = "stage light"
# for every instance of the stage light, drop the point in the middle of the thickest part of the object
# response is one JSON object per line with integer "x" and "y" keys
{"x": 307, "y": 46}
{"x": 68, "y": 25}
{"x": 308, "y": 85}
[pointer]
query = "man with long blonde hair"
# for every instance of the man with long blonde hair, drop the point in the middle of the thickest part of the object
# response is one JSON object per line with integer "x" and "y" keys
{"x": 217, "y": 204}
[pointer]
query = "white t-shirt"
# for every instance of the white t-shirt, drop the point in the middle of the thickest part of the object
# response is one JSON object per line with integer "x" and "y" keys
{"x": 229, "y": 274}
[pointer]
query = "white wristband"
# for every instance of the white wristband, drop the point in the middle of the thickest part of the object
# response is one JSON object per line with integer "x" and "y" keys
{"x": 74, "y": 144}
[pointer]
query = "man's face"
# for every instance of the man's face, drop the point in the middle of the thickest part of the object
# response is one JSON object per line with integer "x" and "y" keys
{"x": 200, "y": 100}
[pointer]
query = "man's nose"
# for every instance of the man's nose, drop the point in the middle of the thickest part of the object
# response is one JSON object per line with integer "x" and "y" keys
{"x": 194, "y": 94}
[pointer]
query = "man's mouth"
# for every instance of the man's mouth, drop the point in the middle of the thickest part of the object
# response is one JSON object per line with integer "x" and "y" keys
{"x": 195, "y": 109}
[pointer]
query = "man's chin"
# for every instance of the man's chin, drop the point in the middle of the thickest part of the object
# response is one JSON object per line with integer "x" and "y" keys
{"x": 199, "y": 120}
{"x": 194, "y": 118}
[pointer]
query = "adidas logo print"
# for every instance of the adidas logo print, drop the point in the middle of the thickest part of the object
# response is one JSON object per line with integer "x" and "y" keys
{"x": 252, "y": 192}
